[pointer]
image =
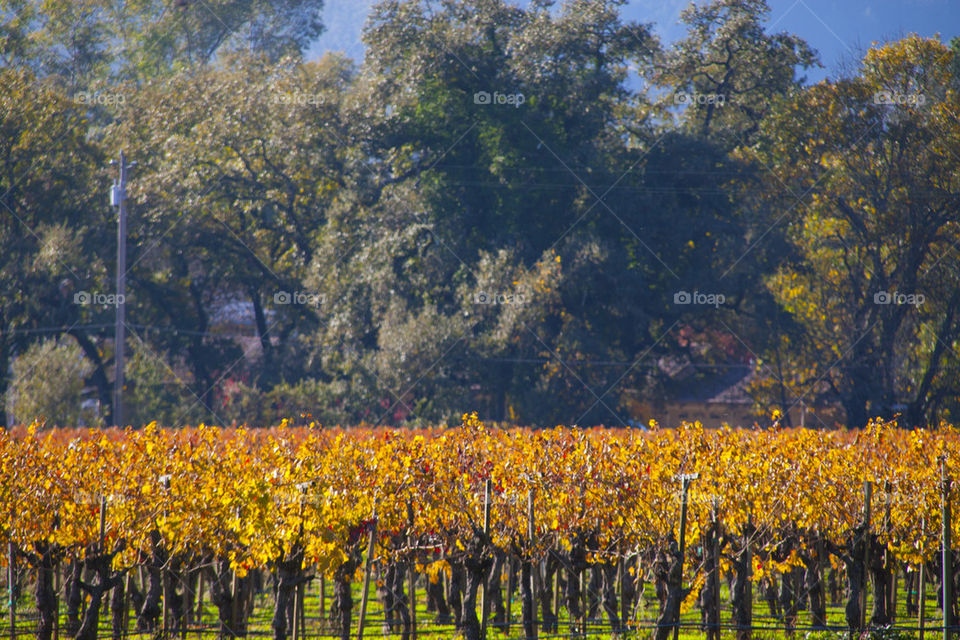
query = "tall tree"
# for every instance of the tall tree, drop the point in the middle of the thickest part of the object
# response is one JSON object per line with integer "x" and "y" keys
{"x": 52, "y": 224}
{"x": 86, "y": 42}
{"x": 864, "y": 179}
{"x": 725, "y": 73}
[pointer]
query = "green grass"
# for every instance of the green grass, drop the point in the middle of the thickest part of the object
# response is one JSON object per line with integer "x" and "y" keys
{"x": 259, "y": 623}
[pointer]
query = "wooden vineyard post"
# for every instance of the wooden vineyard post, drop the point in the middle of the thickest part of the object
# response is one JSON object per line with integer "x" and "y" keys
{"x": 56, "y": 601}
{"x": 297, "y": 601}
{"x": 556, "y": 595}
{"x": 366, "y": 577}
{"x": 867, "y": 497}
{"x": 323, "y": 600}
{"x": 484, "y": 596}
{"x": 11, "y": 577}
{"x": 535, "y": 572}
{"x": 412, "y": 572}
{"x": 164, "y": 580}
{"x": 889, "y": 563}
{"x": 126, "y": 603}
{"x": 297, "y": 622}
{"x": 625, "y": 604}
{"x": 627, "y": 586}
{"x": 947, "y": 551}
{"x": 746, "y": 634}
{"x": 584, "y": 601}
{"x": 685, "y": 479}
{"x": 637, "y": 584}
{"x": 716, "y": 561}
{"x": 198, "y": 614}
{"x": 101, "y": 548}
{"x": 922, "y": 590}
{"x": 511, "y": 578}
{"x": 234, "y": 604}
{"x": 103, "y": 522}
{"x": 303, "y": 610}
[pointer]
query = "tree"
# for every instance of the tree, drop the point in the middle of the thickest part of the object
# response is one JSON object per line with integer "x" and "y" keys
{"x": 863, "y": 174}
{"x": 48, "y": 381}
{"x": 493, "y": 187}
{"x": 240, "y": 170}
{"x": 88, "y": 43}
{"x": 52, "y": 224}
{"x": 727, "y": 70}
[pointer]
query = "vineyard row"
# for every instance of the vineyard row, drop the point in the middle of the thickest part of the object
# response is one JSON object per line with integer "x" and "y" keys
{"x": 139, "y": 518}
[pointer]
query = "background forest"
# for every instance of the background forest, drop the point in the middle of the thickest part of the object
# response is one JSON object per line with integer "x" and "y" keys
{"x": 537, "y": 212}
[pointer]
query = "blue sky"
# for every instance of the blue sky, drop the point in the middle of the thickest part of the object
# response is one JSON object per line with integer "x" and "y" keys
{"x": 836, "y": 29}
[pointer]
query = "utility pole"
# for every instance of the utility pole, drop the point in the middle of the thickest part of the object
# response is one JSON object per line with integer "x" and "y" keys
{"x": 118, "y": 195}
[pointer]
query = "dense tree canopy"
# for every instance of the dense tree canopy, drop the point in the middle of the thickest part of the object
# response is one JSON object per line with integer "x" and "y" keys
{"x": 483, "y": 213}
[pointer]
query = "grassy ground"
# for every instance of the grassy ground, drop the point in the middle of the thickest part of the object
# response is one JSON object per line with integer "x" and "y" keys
{"x": 766, "y": 627}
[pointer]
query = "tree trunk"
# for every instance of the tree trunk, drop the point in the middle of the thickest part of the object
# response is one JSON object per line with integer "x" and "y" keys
{"x": 528, "y": 613}
{"x": 545, "y": 596}
{"x": 45, "y": 560}
{"x": 385, "y": 595}
{"x": 222, "y": 596}
{"x": 74, "y": 598}
{"x": 576, "y": 564}
{"x": 289, "y": 574}
{"x": 609, "y": 571}
{"x": 813, "y": 585}
{"x": 742, "y": 597}
{"x": 148, "y": 617}
{"x": 882, "y": 584}
{"x": 454, "y": 592}
{"x": 172, "y": 577}
{"x": 475, "y": 567}
{"x": 594, "y": 589}
{"x": 790, "y": 599}
{"x": 118, "y": 603}
{"x": 342, "y": 607}
{"x": 435, "y": 595}
{"x": 401, "y": 602}
{"x": 771, "y": 596}
{"x": 494, "y": 594}
{"x": 99, "y": 375}
{"x": 629, "y": 588}
{"x": 833, "y": 584}
{"x": 709, "y": 596}
{"x": 190, "y": 595}
{"x": 669, "y": 570}
{"x": 852, "y": 557}
{"x": 100, "y": 564}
